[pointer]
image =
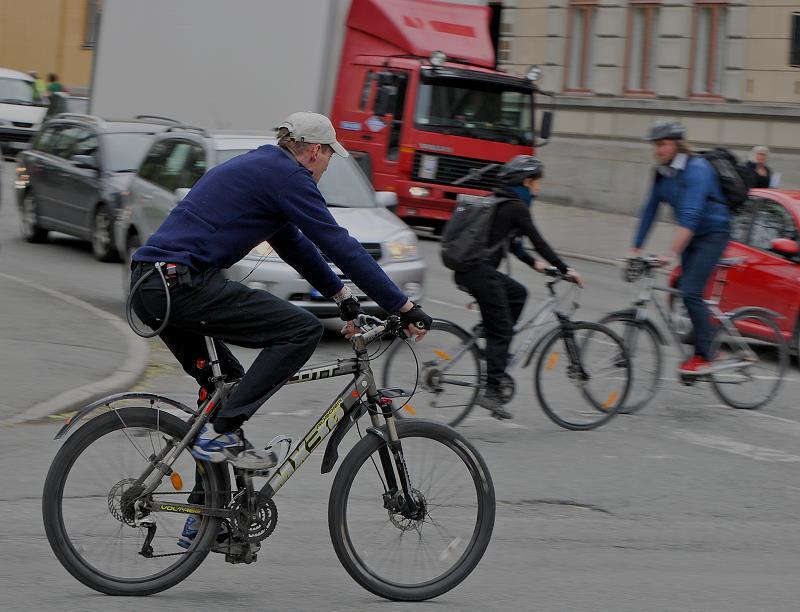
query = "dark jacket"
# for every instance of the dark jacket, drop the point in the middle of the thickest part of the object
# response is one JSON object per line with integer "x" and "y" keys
{"x": 756, "y": 180}
{"x": 266, "y": 195}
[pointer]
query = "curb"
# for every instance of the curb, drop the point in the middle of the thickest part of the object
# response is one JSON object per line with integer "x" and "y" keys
{"x": 120, "y": 380}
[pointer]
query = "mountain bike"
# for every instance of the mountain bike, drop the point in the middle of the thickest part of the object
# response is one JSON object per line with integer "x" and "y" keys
{"x": 410, "y": 513}
{"x": 750, "y": 353}
{"x": 581, "y": 377}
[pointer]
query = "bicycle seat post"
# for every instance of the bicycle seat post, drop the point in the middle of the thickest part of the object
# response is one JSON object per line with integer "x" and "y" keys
{"x": 213, "y": 357}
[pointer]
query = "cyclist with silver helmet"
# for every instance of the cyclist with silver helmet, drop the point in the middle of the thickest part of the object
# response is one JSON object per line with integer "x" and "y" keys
{"x": 500, "y": 298}
{"x": 691, "y": 187}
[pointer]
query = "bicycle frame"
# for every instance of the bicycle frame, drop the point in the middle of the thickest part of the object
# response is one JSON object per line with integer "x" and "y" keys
{"x": 358, "y": 397}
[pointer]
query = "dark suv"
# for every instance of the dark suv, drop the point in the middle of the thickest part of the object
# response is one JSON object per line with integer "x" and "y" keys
{"x": 72, "y": 177}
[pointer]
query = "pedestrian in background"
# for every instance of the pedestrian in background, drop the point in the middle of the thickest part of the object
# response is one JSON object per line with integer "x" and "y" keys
{"x": 39, "y": 89}
{"x": 761, "y": 175}
{"x": 54, "y": 84}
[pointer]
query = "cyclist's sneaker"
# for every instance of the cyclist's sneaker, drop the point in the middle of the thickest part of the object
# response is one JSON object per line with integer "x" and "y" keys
{"x": 189, "y": 532}
{"x": 232, "y": 447}
{"x": 492, "y": 400}
{"x": 695, "y": 366}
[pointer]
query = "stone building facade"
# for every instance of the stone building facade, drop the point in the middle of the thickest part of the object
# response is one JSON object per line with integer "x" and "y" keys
{"x": 730, "y": 71}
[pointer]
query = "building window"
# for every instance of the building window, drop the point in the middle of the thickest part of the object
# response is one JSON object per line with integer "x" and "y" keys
{"x": 640, "y": 52}
{"x": 708, "y": 50}
{"x": 92, "y": 24}
{"x": 794, "y": 51}
{"x": 580, "y": 35}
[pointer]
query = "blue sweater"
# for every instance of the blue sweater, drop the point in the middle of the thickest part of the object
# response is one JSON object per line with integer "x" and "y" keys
{"x": 266, "y": 195}
{"x": 695, "y": 197}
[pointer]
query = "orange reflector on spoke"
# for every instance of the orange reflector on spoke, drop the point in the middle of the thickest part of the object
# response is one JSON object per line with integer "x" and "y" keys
{"x": 177, "y": 481}
{"x": 410, "y": 409}
{"x": 442, "y": 354}
{"x": 612, "y": 399}
{"x": 552, "y": 361}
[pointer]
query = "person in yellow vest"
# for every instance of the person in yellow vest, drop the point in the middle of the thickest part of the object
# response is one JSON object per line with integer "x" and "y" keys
{"x": 39, "y": 89}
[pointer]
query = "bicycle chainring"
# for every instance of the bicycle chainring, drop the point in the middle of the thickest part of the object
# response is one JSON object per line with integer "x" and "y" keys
{"x": 257, "y": 526}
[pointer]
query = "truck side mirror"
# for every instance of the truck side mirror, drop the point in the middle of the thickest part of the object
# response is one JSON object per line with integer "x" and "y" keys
{"x": 546, "y": 129}
{"x": 387, "y": 93}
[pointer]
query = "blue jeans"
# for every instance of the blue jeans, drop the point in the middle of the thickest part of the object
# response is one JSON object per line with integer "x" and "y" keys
{"x": 698, "y": 262}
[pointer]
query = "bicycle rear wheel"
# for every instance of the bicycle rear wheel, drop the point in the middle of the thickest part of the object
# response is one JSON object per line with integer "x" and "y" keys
{"x": 759, "y": 379}
{"x": 448, "y": 373}
{"x": 88, "y": 507}
{"x": 412, "y": 558}
{"x": 582, "y": 376}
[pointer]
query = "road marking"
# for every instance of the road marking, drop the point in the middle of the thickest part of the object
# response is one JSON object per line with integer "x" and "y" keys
{"x": 759, "y": 453}
{"x": 303, "y": 412}
{"x": 775, "y": 423}
{"x": 449, "y": 304}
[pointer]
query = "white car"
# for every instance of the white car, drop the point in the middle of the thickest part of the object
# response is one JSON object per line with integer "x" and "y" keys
{"x": 21, "y": 114}
{"x": 181, "y": 155}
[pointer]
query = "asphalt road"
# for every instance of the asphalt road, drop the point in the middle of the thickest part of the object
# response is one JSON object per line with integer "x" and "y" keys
{"x": 689, "y": 505}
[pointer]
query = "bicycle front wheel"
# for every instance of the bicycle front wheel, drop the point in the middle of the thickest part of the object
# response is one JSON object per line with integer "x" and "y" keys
{"x": 89, "y": 504}
{"x": 446, "y": 369}
{"x": 582, "y": 376}
{"x": 412, "y": 557}
{"x": 749, "y": 367}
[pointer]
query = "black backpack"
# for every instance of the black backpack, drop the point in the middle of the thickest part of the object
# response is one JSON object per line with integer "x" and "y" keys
{"x": 734, "y": 178}
{"x": 465, "y": 236}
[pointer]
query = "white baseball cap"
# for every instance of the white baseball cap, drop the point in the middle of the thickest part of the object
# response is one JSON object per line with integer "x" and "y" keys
{"x": 313, "y": 128}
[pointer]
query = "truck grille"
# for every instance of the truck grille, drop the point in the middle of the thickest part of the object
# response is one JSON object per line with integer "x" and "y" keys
{"x": 450, "y": 168}
{"x": 373, "y": 248}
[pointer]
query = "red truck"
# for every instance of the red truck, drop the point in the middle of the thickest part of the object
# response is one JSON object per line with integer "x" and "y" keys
{"x": 419, "y": 102}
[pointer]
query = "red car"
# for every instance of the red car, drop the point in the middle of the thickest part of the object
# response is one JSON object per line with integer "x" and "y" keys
{"x": 765, "y": 235}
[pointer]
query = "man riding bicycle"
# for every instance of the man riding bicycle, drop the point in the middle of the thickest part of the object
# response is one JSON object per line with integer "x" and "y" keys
{"x": 500, "y": 298}
{"x": 691, "y": 187}
{"x": 267, "y": 194}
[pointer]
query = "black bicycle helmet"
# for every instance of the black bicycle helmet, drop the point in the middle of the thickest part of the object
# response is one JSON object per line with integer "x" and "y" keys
{"x": 519, "y": 168}
{"x": 666, "y": 130}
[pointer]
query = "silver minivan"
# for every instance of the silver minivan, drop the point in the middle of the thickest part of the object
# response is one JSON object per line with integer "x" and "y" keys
{"x": 180, "y": 156}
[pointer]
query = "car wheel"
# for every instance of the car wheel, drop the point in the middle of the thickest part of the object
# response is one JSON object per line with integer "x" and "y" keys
{"x": 29, "y": 220}
{"x": 102, "y": 235}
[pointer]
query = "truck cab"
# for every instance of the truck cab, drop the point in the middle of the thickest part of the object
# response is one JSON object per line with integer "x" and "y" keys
{"x": 420, "y": 105}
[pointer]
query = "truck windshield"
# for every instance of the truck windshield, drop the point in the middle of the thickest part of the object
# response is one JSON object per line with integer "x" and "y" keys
{"x": 16, "y": 91}
{"x": 475, "y": 110}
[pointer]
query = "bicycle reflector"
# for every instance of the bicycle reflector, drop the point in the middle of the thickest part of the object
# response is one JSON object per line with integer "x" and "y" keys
{"x": 177, "y": 481}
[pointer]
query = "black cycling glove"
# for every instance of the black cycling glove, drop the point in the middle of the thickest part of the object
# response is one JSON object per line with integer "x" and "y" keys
{"x": 349, "y": 309}
{"x": 416, "y": 317}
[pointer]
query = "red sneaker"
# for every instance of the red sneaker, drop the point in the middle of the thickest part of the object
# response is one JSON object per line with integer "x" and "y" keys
{"x": 695, "y": 366}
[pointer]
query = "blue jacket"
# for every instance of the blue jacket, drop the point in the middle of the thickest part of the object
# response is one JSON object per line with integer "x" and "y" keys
{"x": 266, "y": 195}
{"x": 695, "y": 197}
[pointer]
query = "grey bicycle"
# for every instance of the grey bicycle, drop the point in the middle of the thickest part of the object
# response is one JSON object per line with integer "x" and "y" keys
{"x": 410, "y": 513}
{"x": 750, "y": 353}
{"x": 581, "y": 377}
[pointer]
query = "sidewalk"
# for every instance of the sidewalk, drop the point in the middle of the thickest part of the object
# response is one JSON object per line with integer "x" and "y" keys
{"x": 58, "y": 352}
{"x": 594, "y": 235}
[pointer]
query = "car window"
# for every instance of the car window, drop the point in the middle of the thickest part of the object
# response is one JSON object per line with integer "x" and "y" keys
{"x": 47, "y": 138}
{"x": 344, "y": 184}
{"x": 154, "y": 161}
{"x": 123, "y": 152}
{"x": 740, "y": 221}
{"x": 771, "y": 221}
{"x": 85, "y": 145}
{"x": 174, "y": 174}
{"x": 194, "y": 168}
{"x": 67, "y": 138}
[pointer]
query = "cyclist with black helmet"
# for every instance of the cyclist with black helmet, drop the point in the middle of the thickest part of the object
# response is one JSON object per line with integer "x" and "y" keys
{"x": 691, "y": 187}
{"x": 500, "y": 298}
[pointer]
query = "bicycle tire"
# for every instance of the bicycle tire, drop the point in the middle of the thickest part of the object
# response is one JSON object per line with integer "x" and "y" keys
{"x": 717, "y": 380}
{"x": 427, "y": 388}
{"x": 60, "y": 540}
{"x": 642, "y": 391}
{"x": 606, "y": 409}
{"x": 358, "y": 458}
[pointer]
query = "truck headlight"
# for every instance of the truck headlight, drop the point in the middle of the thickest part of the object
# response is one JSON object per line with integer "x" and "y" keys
{"x": 23, "y": 178}
{"x": 402, "y": 247}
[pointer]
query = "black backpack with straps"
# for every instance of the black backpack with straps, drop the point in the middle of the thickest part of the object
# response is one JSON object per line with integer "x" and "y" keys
{"x": 465, "y": 237}
{"x": 734, "y": 178}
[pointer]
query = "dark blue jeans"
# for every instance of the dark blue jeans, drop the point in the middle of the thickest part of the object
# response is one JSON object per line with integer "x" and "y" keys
{"x": 698, "y": 262}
